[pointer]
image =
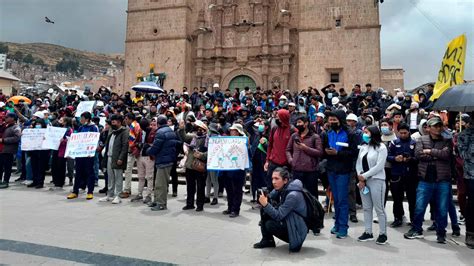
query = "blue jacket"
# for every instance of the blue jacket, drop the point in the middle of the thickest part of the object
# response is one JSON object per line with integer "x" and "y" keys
{"x": 91, "y": 127}
{"x": 292, "y": 203}
{"x": 405, "y": 148}
{"x": 164, "y": 147}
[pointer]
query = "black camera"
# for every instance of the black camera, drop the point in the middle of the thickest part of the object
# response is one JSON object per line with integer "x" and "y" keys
{"x": 262, "y": 191}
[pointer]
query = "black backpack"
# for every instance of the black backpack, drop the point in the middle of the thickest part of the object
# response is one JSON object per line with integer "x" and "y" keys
{"x": 314, "y": 219}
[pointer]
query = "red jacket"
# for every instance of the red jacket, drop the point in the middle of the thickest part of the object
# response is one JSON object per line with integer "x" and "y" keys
{"x": 279, "y": 138}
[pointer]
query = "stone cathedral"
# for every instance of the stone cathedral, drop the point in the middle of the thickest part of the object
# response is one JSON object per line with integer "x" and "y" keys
{"x": 292, "y": 44}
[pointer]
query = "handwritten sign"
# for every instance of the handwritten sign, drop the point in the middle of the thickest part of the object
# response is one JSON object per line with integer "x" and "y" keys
{"x": 32, "y": 139}
{"x": 452, "y": 67}
{"x": 53, "y": 137}
{"x": 85, "y": 106}
{"x": 227, "y": 154}
{"x": 81, "y": 145}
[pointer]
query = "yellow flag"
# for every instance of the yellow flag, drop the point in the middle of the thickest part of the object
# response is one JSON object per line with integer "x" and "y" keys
{"x": 452, "y": 66}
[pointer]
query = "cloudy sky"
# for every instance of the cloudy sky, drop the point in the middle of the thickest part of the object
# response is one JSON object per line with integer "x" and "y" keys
{"x": 414, "y": 32}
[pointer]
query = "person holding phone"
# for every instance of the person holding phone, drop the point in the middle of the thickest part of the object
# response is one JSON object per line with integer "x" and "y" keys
{"x": 303, "y": 152}
{"x": 340, "y": 147}
{"x": 370, "y": 167}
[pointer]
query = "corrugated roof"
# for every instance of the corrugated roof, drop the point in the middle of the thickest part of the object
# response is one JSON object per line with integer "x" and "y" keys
{"x": 6, "y": 75}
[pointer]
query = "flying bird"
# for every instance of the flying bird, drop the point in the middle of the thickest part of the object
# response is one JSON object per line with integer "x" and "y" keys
{"x": 48, "y": 20}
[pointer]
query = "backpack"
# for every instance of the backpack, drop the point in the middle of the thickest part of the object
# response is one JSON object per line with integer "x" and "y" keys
{"x": 314, "y": 219}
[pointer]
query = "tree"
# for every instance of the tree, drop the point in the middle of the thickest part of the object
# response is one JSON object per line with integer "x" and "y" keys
{"x": 29, "y": 59}
{"x": 39, "y": 62}
{"x": 3, "y": 48}
{"x": 18, "y": 56}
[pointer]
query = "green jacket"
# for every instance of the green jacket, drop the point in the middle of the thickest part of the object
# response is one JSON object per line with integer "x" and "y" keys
{"x": 119, "y": 148}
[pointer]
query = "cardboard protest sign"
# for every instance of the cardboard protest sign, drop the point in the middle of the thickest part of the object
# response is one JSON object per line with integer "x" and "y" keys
{"x": 85, "y": 106}
{"x": 52, "y": 138}
{"x": 81, "y": 145}
{"x": 32, "y": 139}
{"x": 227, "y": 153}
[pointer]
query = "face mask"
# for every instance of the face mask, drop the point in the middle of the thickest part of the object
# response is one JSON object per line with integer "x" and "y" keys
{"x": 38, "y": 126}
{"x": 261, "y": 128}
{"x": 282, "y": 104}
{"x": 270, "y": 100}
{"x": 386, "y": 130}
{"x": 115, "y": 127}
{"x": 330, "y": 95}
{"x": 368, "y": 122}
{"x": 278, "y": 122}
{"x": 208, "y": 106}
{"x": 335, "y": 126}
{"x": 366, "y": 138}
{"x": 199, "y": 133}
{"x": 301, "y": 128}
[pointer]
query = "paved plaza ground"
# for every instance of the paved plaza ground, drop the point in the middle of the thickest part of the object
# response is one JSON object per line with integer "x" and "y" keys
{"x": 40, "y": 227}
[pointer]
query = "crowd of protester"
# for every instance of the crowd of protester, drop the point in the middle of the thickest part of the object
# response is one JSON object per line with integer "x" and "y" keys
{"x": 358, "y": 146}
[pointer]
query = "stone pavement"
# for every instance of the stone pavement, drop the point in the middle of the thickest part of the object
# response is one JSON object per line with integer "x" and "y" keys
{"x": 43, "y": 227}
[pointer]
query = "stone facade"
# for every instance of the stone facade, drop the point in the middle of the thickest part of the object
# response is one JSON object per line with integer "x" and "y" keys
{"x": 289, "y": 43}
{"x": 392, "y": 78}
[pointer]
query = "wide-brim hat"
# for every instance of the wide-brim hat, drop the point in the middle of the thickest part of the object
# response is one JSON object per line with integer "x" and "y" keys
{"x": 239, "y": 129}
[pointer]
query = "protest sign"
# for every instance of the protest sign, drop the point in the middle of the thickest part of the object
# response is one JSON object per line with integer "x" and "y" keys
{"x": 32, "y": 139}
{"x": 52, "y": 138}
{"x": 83, "y": 144}
{"x": 452, "y": 67}
{"x": 227, "y": 153}
{"x": 86, "y": 106}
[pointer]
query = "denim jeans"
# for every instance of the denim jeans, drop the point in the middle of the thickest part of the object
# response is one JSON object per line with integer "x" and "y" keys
{"x": 439, "y": 191}
{"x": 340, "y": 189}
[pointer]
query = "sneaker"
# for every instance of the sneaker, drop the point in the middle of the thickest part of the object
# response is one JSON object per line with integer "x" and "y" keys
{"x": 334, "y": 231}
{"x": 396, "y": 223}
{"x": 233, "y": 215}
{"x": 441, "y": 239}
{"x": 413, "y": 234}
{"x": 116, "y": 200}
{"x": 124, "y": 195}
{"x": 20, "y": 179}
{"x": 353, "y": 218}
{"x": 3, "y": 185}
{"x": 187, "y": 207}
{"x": 432, "y": 227}
{"x": 462, "y": 220}
{"x": 89, "y": 196}
{"x": 365, "y": 237}
{"x": 381, "y": 240}
{"x": 31, "y": 184}
{"x": 106, "y": 199}
{"x": 226, "y": 212}
{"x": 137, "y": 198}
{"x": 174, "y": 195}
{"x": 214, "y": 201}
{"x": 72, "y": 196}
{"x": 376, "y": 221}
{"x": 341, "y": 235}
{"x": 456, "y": 232}
{"x": 199, "y": 209}
{"x": 103, "y": 191}
{"x": 39, "y": 186}
{"x": 152, "y": 204}
{"x": 159, "y": 208}
{"x": 264, "y": 244}
{"x": 147, "y": 200}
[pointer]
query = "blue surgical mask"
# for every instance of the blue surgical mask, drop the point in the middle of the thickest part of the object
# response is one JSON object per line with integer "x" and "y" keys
{"x": 366, "y": 138}
{"x": 38, "y": 126}
{"x": 208, "y": 106}
{"x": 261, "y": 128}
{"x": 386, "y": 130}
{"x": 330, "y": 95}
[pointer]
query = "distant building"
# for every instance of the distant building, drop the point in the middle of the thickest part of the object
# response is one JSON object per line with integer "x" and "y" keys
{"x": 7, "y": 81}
{"x": 3, "y": 61}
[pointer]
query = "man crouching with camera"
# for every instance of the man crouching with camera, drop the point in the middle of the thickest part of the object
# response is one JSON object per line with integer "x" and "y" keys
{"x": 283, "y": 211}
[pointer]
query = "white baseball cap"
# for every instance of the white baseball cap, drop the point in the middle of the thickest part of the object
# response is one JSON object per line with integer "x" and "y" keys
{"x": 352, "y": 117}
{"x": 216, "y": 85}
